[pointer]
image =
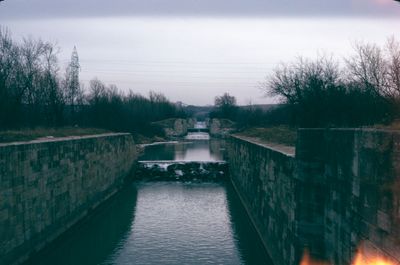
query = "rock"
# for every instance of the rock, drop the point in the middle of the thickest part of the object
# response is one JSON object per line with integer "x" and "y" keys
{"x": 221, "y": 127}
{"x": 190, "y": 171}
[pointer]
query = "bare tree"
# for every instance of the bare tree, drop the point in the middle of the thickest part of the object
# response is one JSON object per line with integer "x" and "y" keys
{"x": 225, "y": 100}
{"x": 97, "y": 90}
{"x": 393, "y": 67}
{"x": 50, "y": 85}
{"x": 31, "y": 92}
{"x": 30, "y": 52}
{"x": 295, "y": 81}
{"x": 42, "y": 97}
{"x": 226, "y": 106}
{"x": 377, "y": 70}
{"x": 368, "y": 68}
{"x": 317, "y": 93}
{"x": 157, "y": 97}
{"x": 10, "y": 86}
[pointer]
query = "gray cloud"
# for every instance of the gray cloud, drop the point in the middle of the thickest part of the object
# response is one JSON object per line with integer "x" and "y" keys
{"x": 78, "y": 8}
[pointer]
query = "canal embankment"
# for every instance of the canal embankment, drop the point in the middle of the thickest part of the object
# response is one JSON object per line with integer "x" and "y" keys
{"x": 263, "y": 177}
{"x": 180, "y": 209}
{"x": 336, "y": 194}
{"x": 49, "y": 185}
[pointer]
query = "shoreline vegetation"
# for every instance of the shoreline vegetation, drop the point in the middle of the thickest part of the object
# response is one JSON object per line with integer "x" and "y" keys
{"x": 37, "y": 101}
{"x": 282, "y": 135}
{"x": 35, "y": 94}
{"x": 31, "y": 134}
{"x": 287, "y": 136}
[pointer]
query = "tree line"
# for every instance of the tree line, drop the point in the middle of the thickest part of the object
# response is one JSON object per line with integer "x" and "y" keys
{"x": 363, "y": 89}
{"x": 34, "y": 93}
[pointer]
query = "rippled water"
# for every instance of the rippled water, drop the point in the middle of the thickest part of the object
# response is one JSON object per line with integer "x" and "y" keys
{"x": 166, "y": 223}
{"x": 188, "y": 150}
{"x": 179, "y": 223}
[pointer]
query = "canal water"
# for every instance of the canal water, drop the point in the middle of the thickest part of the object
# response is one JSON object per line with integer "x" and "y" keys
{"x": 166, "y": 223}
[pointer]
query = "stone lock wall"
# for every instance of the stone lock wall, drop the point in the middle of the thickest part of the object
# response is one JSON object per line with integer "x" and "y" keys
{"x": 47, "y": 186}
{"x": 174, "y": 128}
{"x": 338, "y": 196}
{"x": 263, "y": 177}
{"x": 220, "y": 127}
{"x": 361, "y": 172}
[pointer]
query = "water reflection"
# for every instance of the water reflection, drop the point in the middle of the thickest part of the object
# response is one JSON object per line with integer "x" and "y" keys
{"x": 92, "y": 240}
{"x": 181, "y": 223}
{"x": 195, "y": 150}
{"x": 162, "y": 223}
{"x": 247, "y": 239}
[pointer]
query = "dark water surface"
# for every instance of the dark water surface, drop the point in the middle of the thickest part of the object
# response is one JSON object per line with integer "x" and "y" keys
{"x": 166, "y": 223}
{"x": 188, "y": 150}
{"x": 162, "y": 223}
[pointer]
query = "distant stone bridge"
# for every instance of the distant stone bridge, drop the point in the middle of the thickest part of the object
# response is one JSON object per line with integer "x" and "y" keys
{"x": 175, "y": 128}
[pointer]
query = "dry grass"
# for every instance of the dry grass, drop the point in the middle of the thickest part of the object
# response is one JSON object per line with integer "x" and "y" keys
{"x": 166, "y": 123}
{"x": 36, "y": 133}
{"x": 393, "y": 126}
{"x": 280, "y": 135}
{"x": 141, "y": 139}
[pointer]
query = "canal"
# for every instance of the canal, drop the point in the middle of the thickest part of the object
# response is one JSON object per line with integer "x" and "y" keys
{"x": 165, "y": 222}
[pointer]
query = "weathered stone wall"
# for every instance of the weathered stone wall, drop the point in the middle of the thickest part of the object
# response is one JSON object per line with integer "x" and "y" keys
{"x": 190, "y": 123}
{"x": 175, "y": 127}
{"x": 220, "y": 127}
{"x": 47, "y": 186}
{"x": 264, "y": 180}
{"x": 361, "y": 173}
{"x": 339, "y": 195}
{"x": 179, "y": 129}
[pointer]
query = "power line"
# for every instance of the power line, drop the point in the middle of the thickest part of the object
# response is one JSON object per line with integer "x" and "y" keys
{"x": 119, "y": 61}
{"x": 175, "y": 82}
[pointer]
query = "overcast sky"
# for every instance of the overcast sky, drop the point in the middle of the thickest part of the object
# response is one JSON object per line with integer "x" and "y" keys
{"x": 78, "y": 8}
{"x": 192, "y": 50}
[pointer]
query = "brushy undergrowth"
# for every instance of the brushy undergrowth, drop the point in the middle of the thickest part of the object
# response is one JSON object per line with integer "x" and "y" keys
{"x": 280, "y": 135}
{"x": 29, "y": 134}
